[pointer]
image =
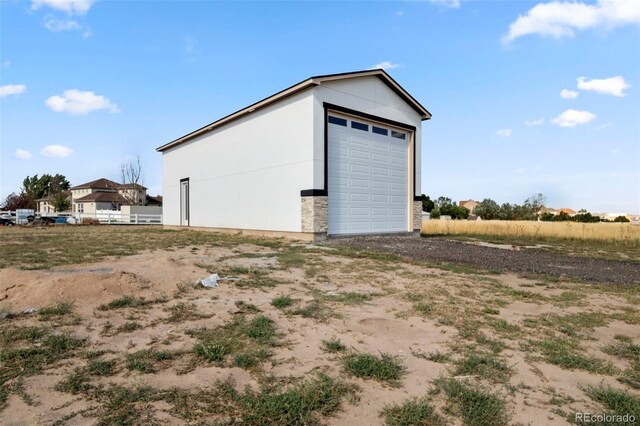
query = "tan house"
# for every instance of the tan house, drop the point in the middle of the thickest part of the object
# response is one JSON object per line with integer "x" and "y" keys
{"x": 105, "y": 194}
{"x": 566, "y": 210}
{"x": 45, "y": 204}
{"x": 469, "y": 204}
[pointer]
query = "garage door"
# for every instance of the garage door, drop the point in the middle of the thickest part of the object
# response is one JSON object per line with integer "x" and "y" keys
{"x": 368, "y": 177}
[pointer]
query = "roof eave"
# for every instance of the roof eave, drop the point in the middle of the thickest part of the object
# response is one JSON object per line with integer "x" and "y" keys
{"x": 289, "y": 91}
{"x": 296, "y": 88}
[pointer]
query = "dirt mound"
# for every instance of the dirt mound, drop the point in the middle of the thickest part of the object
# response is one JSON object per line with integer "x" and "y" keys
{"x": 25, "y": 289}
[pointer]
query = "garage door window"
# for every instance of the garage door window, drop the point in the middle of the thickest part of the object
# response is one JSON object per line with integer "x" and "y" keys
{"x": 337, "y": 120}
{"x": 367, "y": 177}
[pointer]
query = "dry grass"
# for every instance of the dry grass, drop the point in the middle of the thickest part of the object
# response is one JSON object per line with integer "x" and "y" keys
{"x": 610, "y": 232}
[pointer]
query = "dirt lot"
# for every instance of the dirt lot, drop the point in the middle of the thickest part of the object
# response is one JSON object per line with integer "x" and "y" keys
{"x": 557, "y": 260}
{"x": 308, "y": 334}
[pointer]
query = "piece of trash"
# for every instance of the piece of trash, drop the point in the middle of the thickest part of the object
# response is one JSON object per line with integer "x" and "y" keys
{"x": 213, "y": 279}
{"x": 29, "y": 311}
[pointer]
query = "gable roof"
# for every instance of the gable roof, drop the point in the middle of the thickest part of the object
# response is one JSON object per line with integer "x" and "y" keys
{"x": 102, "y": 197}
{"x": 103, "y": 183}
{"x": 296, "y": 88}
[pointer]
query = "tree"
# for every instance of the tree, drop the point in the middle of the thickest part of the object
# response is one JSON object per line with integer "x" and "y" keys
{"x": 427, "y": 203}
{"x": 535, "y": 203}
{"x": 487, "y": 209}
{"x": 60, "y": 201}
{"x": 131, "y": 175}
{"x": 435, "y": 213}
{"x": 622, "y": 219}
{"x": 546, "y": 217}
{"x": 39, "y": 187}
{"x": 17, "y": 201}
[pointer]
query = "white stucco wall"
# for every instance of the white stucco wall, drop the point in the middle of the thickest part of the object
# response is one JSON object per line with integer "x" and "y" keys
{"x": 368, "y": 95}
{"x": 247, "y": 174}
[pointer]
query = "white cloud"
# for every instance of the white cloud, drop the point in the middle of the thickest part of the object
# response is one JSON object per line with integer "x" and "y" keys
{"x": 562, "y": 19}
{"x": 189, "y": 44}
{"x": 573, "y": 118}
{"x": 568, "y": 94}
{"x": 454, "y": 4}
{"x": 12, "y": 89}
{"x": 504, "y": 133}
{"x": 386, "y": 65}
{"x": 22, "y": 154}
{"x": 71, "y": 7}
{"x": 57, "y": 25}
{"x": 78, "y": 102}
{"x": 611, "y": 86}
{"x": 534, "y": 123}
{"x": 56, "y": 151}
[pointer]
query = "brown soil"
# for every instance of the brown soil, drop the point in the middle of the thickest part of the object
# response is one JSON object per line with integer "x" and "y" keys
{"x": 387, "y": 323}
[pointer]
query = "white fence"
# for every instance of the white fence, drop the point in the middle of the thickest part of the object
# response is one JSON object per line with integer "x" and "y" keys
{"x": 108, "y": 217}
{"x": 119, "y": 218}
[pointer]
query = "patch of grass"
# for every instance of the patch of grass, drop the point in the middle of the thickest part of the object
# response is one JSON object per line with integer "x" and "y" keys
{"x": 615, "y": 401}
{"x": 573, "y": 325}
{"x": 423, "y": 308}
{"x": 475, "y": 405}
{"x": 282, "y": 302}
{"x": 99, "y": 367}
{"x": 248, "y": 341}
{"x": 252, "y": 277}
{"x": 252, "y": 358}
{"x": 14, "y": 334}
{"x": 76, "y": 382}
{"x": 623, "y": 347}
{"x": 291, "y": 259}
{"x": 31, "y": 360}
{"x": 128, "y": 327}
{"x": 484, "y": 365}
{"x": 313, "y": 309}
{"x": 246, "y": 308}
{"x": 214, "y": 351}
{"x": 261, "y": 329}
{"x": 147, "y": 360}
{"x": 412, "y": 412}
{"x": 334, "y": 345}
{"x": 504, "y": 327}
{"x": 491, "y": 311}
{"x": 183, "y": 312}
{"x": 567, "y": 353}
{"x": 125, "y": 302}
{"x": 385, "y": 368}
{"x": 568, "y": 298}
{"x": 297, "y": 405}
{"x": 435, "y": 356}
{"x": 348, "y": 297}
{"x": 631, "y": 376}
{"x": 59, "y": 310}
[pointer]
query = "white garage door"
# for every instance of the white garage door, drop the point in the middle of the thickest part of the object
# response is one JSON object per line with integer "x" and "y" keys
{"x": 368, "y": 177}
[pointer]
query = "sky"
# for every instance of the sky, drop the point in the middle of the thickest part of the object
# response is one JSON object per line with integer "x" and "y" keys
{"x": 527, "y": 97}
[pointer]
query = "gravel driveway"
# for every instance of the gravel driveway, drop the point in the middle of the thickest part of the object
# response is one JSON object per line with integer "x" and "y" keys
{"x": 531, "y": 261}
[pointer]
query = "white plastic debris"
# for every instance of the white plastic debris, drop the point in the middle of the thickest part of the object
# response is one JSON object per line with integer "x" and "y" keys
{"x": 210, "y": 281}
{"x": 29, "y": 311}
{"x": 213, "y": 279}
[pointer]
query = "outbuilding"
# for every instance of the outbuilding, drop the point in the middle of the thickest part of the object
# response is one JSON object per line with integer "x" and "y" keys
{"x": 332, "y": 155}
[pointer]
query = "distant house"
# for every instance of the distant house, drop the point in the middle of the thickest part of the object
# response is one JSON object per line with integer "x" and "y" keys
{"x": 45, "y": 204}
{"x": 469, "y": 204}
{"x": 105, "y": 194}
{"x": 568, "y": 211}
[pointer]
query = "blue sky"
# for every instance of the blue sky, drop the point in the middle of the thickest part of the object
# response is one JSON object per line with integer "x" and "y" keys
{"x": 86, "y": 85}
